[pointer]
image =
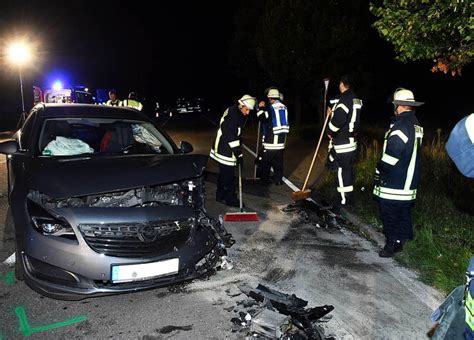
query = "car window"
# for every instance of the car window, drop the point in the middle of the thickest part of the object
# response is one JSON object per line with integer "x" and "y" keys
{"x": 26, "y": 130}
{"x": 100, "y": 136}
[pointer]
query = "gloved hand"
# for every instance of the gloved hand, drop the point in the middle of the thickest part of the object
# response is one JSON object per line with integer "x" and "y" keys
{"x": 377, "y": 177}
{"x": 240, "y": 160}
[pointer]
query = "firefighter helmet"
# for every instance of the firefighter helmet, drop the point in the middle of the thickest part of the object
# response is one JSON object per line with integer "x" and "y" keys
{"x": 248, "y": 101}
{"x": 405, "y": 97}
{"x": 273, "y": 93}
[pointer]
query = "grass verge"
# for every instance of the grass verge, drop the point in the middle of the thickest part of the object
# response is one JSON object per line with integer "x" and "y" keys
{"x": 443, "y": 216}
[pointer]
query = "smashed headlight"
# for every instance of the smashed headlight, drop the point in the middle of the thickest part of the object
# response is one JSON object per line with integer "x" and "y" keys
{"x": 47, "y": 224}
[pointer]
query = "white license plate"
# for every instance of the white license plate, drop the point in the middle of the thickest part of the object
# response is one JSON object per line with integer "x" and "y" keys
{"x": 144, "y": 271}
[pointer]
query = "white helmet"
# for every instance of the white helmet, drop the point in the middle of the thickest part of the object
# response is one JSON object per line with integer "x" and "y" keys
{"x": 273, "y": 94}
{"x": 248, "y": 101}
{"x": 405, "y": 97}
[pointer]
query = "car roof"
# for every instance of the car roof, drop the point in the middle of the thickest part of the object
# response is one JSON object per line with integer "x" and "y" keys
{"x": 51, "y": 110}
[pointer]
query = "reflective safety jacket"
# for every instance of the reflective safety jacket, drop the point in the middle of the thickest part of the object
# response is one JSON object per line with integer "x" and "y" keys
{"x": 134, "y": 104}
{"x": 344, "y": 122}
{"x": 115, "y": 103}
{"x": 275, "y": 126}
{"x": 399, "y": 168}
{"x": 227, "y": 146}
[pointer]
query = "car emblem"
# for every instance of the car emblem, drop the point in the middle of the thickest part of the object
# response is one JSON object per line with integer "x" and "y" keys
{"x": 147, "y": 234}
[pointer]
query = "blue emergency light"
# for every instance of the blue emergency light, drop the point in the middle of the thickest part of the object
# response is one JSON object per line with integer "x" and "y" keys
{"x": 57, "y": 85}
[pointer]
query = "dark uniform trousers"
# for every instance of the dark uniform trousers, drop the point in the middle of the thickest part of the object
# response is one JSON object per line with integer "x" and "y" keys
{"x": 344, "y": 168}
{"x": 226, "y": 183}
{"x": 269, "y": 159}
{"x": 396, "y": 219}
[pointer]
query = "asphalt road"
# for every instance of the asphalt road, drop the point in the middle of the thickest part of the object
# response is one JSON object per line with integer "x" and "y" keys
{"x": 374, "y": 298}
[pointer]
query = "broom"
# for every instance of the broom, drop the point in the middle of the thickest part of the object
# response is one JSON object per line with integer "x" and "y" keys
{"x": 241, "y": 216}
{"x": 304, "y": 193}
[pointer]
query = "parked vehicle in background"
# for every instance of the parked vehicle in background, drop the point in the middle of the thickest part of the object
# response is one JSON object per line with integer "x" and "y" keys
{"x": 80, "y": 95}
{"x": 195, "y": 105}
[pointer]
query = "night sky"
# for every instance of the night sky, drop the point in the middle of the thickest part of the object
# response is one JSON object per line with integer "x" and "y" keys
{"x": 180, "y": 48}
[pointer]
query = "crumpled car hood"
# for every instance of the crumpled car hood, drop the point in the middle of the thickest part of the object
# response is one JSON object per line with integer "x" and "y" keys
{"x": 61, "y": 178}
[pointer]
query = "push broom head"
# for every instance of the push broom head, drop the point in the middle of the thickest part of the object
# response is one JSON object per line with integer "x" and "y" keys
{"x": 301, "y": 195}
{"x": 241, "y": 217}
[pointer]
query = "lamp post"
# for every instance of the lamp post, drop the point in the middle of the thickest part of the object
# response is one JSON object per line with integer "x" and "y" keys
{"x": 19, "y": 54}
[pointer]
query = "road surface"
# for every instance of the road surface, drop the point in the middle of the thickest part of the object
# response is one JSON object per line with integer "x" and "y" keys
{"x": 374, "y": 298}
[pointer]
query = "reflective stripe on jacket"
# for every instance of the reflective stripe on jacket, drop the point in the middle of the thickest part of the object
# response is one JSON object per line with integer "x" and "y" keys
{"x": 227, "y": 146}
{"x": 134, "y": 104}
{"x": 275, "y": 126}
{"x": 115, "y": 103}
{"x": 399, "y": 166}
{"x": 344, "y": 122}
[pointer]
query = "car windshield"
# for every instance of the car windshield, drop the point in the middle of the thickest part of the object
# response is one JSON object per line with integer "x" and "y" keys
{"x": 100, "y": 136}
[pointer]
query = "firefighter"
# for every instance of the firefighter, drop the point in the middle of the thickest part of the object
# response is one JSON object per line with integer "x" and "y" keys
{"x": 227, "y": 149}
{"x": 342, "y": 132}
{"x": 397, "y": 173}
{"x": 460, "y": 148}
{"x": 275, "y": 126}
{"x": 113, "y": 100}
{"x": 133, "y": 102}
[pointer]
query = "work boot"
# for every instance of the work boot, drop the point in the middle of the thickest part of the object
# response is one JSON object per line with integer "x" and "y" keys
{"x": 391, "y": 248}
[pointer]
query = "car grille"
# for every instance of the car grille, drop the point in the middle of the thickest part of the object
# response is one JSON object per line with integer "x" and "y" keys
{"x": 136, "y": 239}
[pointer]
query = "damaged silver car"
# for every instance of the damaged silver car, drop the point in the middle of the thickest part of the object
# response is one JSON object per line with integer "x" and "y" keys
{"x": 104, "y": 202}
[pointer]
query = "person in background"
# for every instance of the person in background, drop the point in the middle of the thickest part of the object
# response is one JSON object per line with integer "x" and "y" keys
{"x": 274, "y": 119}
{"x": 113, "y": 100}
{"x": 133, "y": 102}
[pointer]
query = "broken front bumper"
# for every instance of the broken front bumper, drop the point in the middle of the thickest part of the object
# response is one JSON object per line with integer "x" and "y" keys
{"x": 74, "y": 269}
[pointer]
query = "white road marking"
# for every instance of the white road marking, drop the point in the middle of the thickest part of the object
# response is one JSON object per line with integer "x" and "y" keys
{"x": 10, "y": 261}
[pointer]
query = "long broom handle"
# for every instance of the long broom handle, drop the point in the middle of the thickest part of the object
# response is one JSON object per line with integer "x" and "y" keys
{"x": 256, "y": 151}
{"x": 315, "y": 153}
{"x": 240, "y": 189}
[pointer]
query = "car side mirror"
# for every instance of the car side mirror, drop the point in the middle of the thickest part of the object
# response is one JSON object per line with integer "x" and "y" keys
{"x": 9, "y": 147}
{"x": 186, "y": 147}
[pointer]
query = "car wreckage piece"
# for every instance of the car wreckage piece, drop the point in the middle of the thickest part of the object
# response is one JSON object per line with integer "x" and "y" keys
{"x": 290, "y": 305}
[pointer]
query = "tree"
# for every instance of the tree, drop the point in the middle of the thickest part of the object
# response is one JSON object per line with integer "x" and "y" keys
{"x": 296, "y": 43}
{"x": 441, "y": 30}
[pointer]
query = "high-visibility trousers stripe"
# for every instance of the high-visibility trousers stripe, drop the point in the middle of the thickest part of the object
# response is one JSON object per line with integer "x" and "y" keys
{"x": 395, "y": 194}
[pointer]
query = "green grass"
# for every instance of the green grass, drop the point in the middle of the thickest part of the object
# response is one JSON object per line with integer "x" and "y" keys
{"x": 443, "y": 216}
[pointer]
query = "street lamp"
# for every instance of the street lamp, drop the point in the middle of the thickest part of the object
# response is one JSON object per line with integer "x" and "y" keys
{"x": 19, "y": 54}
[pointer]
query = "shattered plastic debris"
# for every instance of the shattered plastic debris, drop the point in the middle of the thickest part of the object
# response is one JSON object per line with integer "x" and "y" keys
{"x": 279, "y": 315}
{"x": 270, "y": 324}
{"x": 226, "y": 263}
{"x": 316, "y": 214}
{"x": 233, "y": 292}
